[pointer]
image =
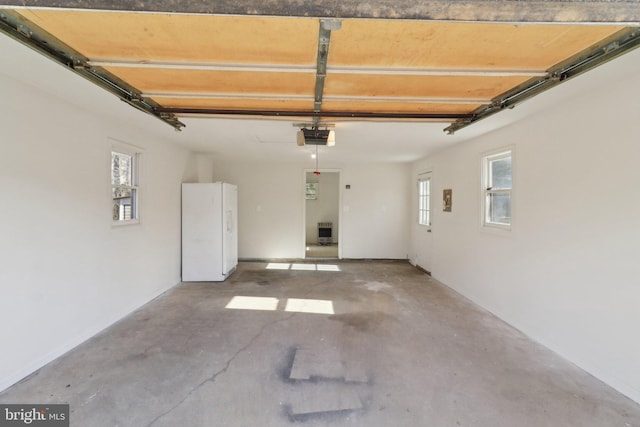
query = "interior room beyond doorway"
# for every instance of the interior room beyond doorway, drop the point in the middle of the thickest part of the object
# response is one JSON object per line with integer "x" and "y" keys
{"x": 322, "y": 213}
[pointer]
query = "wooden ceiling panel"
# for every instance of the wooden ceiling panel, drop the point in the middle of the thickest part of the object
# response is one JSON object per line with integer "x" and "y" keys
{"x": 376, "y": 68}
{"x": 397, "y": 107}
{"x": 236, "y": 104}
{"x": 202, "y": 81}
{"x": 194, "y": 38}
{"x": 419, "y": 86}
{"x": 394, "y": 43}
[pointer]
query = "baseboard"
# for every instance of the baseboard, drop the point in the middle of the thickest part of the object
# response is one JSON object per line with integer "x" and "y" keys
{"x": 427, "y": 272}
{"x": 316, "y": 260}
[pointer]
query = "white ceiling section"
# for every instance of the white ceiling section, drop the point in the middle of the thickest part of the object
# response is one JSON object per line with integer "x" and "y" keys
{"x": 366, "y": 80}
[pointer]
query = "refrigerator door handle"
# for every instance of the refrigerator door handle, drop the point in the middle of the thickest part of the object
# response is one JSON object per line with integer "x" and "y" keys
{"x": 229, "y": 220}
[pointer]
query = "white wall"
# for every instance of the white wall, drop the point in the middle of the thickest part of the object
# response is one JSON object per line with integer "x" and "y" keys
{"x": 326, "y": 208}
{"x": 376, "y": 211}
{"x": 204, "y": 166}
{"x": 568, "y": 273}
{"x": 66, "y": 272}
{"x": 270, "y": 208}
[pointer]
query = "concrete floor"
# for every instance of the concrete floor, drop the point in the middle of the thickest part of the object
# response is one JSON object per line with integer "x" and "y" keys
{"x": 400, "y": 350}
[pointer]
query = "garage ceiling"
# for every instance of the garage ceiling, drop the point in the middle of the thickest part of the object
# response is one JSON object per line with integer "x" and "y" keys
{"x": 320, "y": 69}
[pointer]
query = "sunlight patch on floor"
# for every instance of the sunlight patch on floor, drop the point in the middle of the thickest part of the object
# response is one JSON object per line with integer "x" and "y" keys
{"x": 278, "y": 266}
{"x": 253, "y": 303}
{"x": 301, "y": 266}
{"x": 316, "y": 306}
{"x": 296, "y": 305}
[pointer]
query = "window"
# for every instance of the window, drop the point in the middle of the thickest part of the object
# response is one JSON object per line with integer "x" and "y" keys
{"x": 124, "y": 185}
{"x": 497, "y": 184}
{"x": 424, "y": 199}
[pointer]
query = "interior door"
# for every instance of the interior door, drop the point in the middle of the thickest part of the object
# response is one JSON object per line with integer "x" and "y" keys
{"x": 424, "y": 223}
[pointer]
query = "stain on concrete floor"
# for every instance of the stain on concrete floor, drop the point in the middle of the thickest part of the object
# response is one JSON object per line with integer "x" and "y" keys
{"x": 363, "y": 322}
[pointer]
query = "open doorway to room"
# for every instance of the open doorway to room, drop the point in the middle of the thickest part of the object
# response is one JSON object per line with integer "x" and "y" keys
{"x": 322, "y": 214}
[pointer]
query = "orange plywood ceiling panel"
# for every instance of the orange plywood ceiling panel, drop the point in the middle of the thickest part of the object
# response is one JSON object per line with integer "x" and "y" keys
{"x": 419, "y": 86}
{"x": 394, "y": 43}
{"x": 173, "y": 37}
{"x": 199, "y": 81}
{"x": 400, "y": 69}
{"x": 397, "y": 107}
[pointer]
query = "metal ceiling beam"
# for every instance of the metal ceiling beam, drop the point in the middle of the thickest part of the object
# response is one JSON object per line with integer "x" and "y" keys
{"x": 313, "y": 114}
{"x": 534, "y": 11}
{"x": 416, "y": 99}
{"x": 289, "y": 68}
{"x": 20, "y": 29}
{"x": 203, "y": 66}
{"x": 614, "y": 46}
{"x": 411, "y": 71}
{"x": 237, "y": 96}
{"x": 297, "y": 97}
{"x": 324, "y": 38}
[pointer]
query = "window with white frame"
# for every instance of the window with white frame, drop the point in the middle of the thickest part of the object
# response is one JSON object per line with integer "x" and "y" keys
{"x": 124, "y": 185}
{"x": 497, "y": 185}
{"x": 424, "y": 199}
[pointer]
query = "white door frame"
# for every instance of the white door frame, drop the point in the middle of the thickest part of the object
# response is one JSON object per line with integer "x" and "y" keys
{"x": 304, "y": 209}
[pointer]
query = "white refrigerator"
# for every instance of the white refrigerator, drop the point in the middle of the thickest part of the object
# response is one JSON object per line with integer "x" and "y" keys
{"x": 209, "y": 231}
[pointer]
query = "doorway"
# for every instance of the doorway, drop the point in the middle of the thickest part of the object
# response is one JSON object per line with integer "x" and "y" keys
{"x": 322, "y": 214}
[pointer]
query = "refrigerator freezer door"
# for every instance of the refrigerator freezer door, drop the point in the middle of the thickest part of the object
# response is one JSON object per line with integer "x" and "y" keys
{"x": 230, "y": 228}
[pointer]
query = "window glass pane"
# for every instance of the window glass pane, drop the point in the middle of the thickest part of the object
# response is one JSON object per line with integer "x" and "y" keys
{"x": 123, "y": 204}
{"x": 424, "y": 200}
{"x": 499, "y": 208}
{"x": 500, "y": 173}
{"x": 124, "y": 190}
{"x": 121, "y": 169}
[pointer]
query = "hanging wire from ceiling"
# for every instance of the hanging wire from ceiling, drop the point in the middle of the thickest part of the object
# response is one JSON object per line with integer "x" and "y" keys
{"x": 316, "y": 172}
